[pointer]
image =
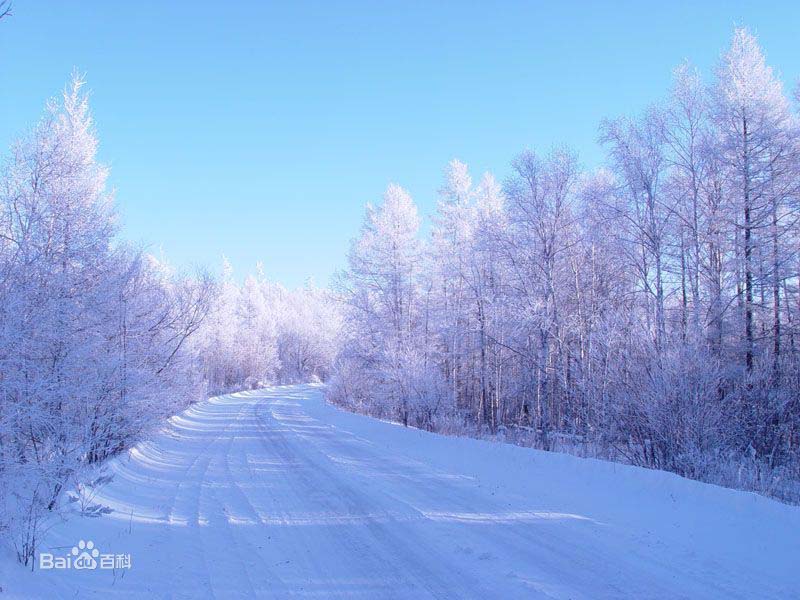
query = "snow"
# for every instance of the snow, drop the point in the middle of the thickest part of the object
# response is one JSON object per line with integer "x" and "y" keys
{"x": 275, "y": 493}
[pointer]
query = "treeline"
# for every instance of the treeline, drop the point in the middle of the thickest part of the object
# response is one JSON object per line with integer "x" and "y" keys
{"x": 100, "y": 341}
{"x": 647, "y": 311}
{"x": 93, "y": 334}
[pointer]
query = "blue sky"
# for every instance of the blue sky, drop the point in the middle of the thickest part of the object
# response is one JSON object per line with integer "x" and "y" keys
{"x": 259, "y": 130}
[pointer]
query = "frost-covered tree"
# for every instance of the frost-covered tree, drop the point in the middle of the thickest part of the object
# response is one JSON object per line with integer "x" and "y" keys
{"x": 384, "y": 358}
{"x": 465, "y": 280}
{"x": 644, "y": 213}
{"x": 92, "y": 334}
{"x": 541, "y": 194}
{"x": 757, "y": 140}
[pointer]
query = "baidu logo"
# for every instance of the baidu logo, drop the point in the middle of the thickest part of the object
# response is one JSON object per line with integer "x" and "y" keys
{"x": 84, "y": 556}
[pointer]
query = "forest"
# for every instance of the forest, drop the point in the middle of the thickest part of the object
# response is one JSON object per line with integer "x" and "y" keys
{"x": 644, "y": 312}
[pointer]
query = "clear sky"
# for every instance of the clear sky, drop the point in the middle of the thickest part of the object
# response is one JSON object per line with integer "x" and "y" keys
{"x": 260, "y": 129}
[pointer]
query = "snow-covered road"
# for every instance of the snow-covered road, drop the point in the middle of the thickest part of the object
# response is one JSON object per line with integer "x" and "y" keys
{"x": 276, "y": 494}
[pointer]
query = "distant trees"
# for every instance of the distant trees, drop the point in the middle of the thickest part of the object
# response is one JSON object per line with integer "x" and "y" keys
{"x": 647, "y": 311}
{"x": 308, "y": 334}
{"x": 259, "y": 333}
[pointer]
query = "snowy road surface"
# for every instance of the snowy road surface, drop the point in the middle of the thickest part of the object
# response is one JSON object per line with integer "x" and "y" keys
{"x": 275, "y": 494}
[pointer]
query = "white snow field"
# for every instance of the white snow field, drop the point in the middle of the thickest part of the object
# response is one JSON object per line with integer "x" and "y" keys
{"x": 276, "y": 494}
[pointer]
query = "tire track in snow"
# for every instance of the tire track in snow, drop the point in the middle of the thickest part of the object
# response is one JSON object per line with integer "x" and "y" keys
{"x": 416, "y": 566}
